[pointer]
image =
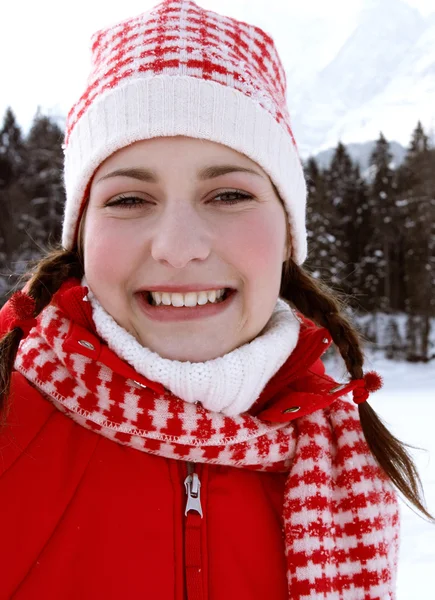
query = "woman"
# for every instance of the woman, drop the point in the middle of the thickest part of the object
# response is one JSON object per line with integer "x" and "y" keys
{"x": 170, "y": 430}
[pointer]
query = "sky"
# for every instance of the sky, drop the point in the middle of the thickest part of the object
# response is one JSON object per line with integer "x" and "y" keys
{"x": 44, "y": 49}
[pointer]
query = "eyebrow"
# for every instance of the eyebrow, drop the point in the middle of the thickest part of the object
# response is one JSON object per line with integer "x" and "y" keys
{"x": 150, "y": 176}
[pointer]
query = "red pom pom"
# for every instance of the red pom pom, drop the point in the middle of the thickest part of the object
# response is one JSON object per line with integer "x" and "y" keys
{"x": 23, "y": 306}
{"x": 373, "y": 381}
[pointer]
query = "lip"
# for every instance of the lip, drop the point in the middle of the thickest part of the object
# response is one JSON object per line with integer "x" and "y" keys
{"x": 183, "y": 313}
{"x": 184, "y": 289}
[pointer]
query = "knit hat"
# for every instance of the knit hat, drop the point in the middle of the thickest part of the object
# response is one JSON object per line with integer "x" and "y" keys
{"x": 181, "y": 70}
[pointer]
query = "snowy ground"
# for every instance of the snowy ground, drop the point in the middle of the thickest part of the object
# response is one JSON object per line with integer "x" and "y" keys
{"x": 406, "y": 403}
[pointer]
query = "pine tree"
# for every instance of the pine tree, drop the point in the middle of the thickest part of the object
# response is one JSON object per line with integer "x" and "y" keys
{"x": 31, "y": 193}
{"x": 382, "y": 264}
{"x": 415, "y": 178}
{"x": 360, "y": 235}
{"x": 320, "y": 219}
{"x": 393, "y": 340}
{"x": 44, "y": 181}
{"x": 344, "y": 191}
{"x": 13, "y": 156}
{"x": 417, "y": 206}
{"x": 12, "y": 150}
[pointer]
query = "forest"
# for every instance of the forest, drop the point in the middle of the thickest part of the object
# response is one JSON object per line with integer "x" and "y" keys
{"x": 371, "y": 234}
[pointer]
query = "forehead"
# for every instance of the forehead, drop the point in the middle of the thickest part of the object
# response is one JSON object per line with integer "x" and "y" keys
{"x": 161, "y": 153}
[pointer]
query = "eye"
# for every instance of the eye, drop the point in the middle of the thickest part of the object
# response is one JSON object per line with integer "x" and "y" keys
{"x": 127, "y": 202}
{"x": 232, "y": 197}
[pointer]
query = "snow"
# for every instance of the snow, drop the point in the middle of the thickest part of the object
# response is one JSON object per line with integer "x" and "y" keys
{"x": 382, "y": 78}
{"x": 406, "y": 403}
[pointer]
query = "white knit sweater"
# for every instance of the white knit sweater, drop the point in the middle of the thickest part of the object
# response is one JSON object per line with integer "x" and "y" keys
{"x": 229, "y": 384}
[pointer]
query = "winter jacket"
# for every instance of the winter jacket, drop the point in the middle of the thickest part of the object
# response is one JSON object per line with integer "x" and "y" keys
{"x": 85, "y": 517}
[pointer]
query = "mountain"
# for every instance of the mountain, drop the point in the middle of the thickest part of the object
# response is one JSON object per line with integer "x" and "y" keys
{"x": 382, "y": 78}
{"x": 360, "y": 153}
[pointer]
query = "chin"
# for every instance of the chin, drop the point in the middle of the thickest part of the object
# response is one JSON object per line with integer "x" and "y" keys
{"x": 192, "y": 352}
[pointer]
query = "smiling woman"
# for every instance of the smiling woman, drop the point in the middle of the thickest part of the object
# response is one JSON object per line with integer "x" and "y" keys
{"x": 202, "y": 222}
{"x": 161, "y": 380}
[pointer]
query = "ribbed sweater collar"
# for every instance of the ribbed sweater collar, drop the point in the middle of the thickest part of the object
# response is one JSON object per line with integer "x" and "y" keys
{"x": 229, "y": 384}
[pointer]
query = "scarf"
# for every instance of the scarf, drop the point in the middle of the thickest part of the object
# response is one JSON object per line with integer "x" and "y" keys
{"x": 229, "y": 384}
{"x": 340, "y": 513}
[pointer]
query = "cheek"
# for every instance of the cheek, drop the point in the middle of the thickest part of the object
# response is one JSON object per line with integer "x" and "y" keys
{"x": 108, "y": 251}
{"x": 258, "y": 244}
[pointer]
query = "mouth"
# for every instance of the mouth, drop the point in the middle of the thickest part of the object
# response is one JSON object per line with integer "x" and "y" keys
{"x": 189, "y": 299}
{"x": 177, "y": 306}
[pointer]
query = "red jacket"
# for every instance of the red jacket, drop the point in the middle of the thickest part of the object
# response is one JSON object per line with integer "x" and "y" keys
{"x": 85, "y": 517}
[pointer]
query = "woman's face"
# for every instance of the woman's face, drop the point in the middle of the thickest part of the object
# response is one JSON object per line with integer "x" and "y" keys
{"x": 179, "y": 217}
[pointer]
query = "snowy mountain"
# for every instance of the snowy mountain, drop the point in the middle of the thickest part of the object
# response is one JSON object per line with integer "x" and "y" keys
{"x": 360, "y": 153}
{"x": 382, "y": 77}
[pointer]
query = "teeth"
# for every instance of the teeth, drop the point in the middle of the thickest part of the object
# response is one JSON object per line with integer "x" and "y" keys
{"x": 189, "y": 299}
{"x": 166, "y": 299}
{"x": 177, "y": 299}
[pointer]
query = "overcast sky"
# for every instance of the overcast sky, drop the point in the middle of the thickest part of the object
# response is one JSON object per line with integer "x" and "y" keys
{"x": 44, "y": 44}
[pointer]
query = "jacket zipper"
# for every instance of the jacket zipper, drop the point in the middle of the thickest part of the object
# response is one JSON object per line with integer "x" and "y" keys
{"x": 193, "y": 490}
{"x": 192, "y": 536}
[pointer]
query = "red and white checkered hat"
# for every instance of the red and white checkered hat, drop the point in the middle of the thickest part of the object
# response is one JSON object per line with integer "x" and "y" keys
{"x": 182, "y": 70}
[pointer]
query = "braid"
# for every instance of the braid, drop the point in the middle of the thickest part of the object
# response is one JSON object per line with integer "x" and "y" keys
{"x": 8, "y": 351}
{"x": 47, "y": 277}
{"x": 314, "y": 300}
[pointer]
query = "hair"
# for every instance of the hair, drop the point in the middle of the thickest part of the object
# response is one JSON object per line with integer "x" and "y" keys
{"x": 43, "y": 282}
{"x": 308, "y": 295}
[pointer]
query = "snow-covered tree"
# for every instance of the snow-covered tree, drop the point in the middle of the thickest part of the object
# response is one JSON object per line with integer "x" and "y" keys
{"x": 320, "y": 224}
{"x": 13, "y": 160}
{"x": 31, "y": 193}
{"x": 417, "y": 204}
{"x": 382, "y": 266}
{"x": 44, "y": 186}
{"x": 345, "y": 195}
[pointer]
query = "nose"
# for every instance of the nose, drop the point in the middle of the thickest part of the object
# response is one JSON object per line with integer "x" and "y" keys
{"x": 180, "y": 236}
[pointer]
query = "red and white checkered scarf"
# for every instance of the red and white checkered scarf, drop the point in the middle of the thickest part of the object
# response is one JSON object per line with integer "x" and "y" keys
{"x": 340, "y": 512}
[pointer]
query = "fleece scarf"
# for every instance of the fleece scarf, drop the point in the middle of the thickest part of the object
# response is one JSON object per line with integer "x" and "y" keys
{"x": 340, "y": 512}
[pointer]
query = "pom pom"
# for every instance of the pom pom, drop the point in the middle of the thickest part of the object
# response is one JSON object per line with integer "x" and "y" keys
{"x": 23, "y": 306}
{"x": 373, "y": 381}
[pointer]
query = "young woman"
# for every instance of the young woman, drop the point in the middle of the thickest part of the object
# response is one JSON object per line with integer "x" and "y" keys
{"x": 169, "y": 429}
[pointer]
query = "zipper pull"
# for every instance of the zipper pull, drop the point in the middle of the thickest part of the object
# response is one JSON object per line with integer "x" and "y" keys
{"x": 193, "y": 486}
